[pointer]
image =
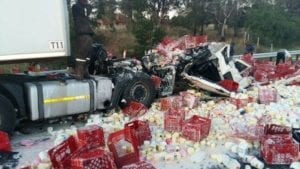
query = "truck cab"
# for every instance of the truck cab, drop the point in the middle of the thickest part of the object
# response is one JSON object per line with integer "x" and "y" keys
{"x": 39, "y": 30}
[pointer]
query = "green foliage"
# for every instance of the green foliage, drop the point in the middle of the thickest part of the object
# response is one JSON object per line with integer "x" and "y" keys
{"x": 147, "y": 34}
{"x": 272, "y": 25}
{"x": 195, "y": 15}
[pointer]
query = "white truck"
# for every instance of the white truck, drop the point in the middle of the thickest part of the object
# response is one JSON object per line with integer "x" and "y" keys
{"x": 39, "y": 29}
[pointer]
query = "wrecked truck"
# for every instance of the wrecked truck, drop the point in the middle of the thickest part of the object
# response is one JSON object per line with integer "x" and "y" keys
{"x": 201, "y": 67}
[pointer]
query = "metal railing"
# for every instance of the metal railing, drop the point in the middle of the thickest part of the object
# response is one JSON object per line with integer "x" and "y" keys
{"x": 268, "y": 55}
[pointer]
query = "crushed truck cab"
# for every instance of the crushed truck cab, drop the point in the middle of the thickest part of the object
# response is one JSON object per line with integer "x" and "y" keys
{"x": 203, "y": 67}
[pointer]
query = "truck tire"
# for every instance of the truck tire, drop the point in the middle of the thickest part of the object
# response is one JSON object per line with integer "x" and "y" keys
{"x": 7, "y": 115}
{"x": 141, "y": 89}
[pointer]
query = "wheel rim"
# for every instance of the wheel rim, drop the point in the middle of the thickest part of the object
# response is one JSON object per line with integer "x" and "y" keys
{"x": 139, "y": 92}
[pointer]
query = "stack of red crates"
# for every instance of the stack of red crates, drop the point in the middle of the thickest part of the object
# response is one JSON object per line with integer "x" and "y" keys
{"x": 141, "y": 130}
{"x": 284, "y": 69}
{"x": 196, "y": 128}
{"x": 278, "y": 145}
{"x": 124, "y": 147}
{"x": 4, "y": 142}
{"x": 83, "y": 152}
{"x": 173, "y": 120}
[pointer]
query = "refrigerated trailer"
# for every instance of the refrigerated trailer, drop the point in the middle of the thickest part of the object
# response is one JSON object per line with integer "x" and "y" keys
{"x": 38, "y": 30}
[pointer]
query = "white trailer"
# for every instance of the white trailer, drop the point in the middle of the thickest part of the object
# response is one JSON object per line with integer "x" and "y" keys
{"x": 39, "y": 29}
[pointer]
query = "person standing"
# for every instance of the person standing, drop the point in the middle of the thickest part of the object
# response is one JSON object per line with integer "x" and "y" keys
{"x": 84, "y": 37}
{"x": 281, "y": 55}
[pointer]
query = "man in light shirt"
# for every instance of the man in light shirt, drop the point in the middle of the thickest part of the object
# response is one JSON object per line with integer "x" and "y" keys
{"x": 281, "y": 55}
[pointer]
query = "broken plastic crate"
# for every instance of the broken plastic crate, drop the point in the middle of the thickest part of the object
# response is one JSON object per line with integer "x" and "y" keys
{"x": 267, "y": 95}
{"x": 91, "y": 136}
{"x": 240, "y": 103}
{"x": 139, "y": 165}
{"x": 173, "y": 120}
{"x": 93, "y": 159}
{"x": 279, "y": 149}
{"x": 230, "y": 85}
{"x": 60, "y": 156}
{"x": 135, "y": 109}
{"x": 250, "y": 133}
{"x": 171, "y": 102}
{"x": 4, "y": 142}
{"x": 124, "y": 147}
{"x": 140, "y": 129}
{"x": 196, "y": 128}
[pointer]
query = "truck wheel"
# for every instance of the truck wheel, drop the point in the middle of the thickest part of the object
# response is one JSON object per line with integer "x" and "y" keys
{"x": 7, "y": 115}
{"x": 141, "y": 89}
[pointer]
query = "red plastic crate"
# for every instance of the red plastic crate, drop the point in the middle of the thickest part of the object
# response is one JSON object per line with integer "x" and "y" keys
{"x": 279, "y": 149}
{"x": 250, "y": 133}
{"x": 90, "y": 136}
{"x": 157, "y": 81}
{"x": 196, "y": 128}
{"x": 4, "y": 142}
{"x": 273, "y": 129}
{"x": 240, "y": 103}
{"x": 261, "y": 76}
{"x": 61, "y": 155}
{"x": 173, "y": 120}
{"x": 171, "y": 102}
{"x": 139, "y": 165}
{"x": 93, "y": 159}
{"x": 267, "y": 95}
{"x": 229, "y": 85}
{"x": 135, "y": 109}
{"x": 124, "y": 147}
{"x": 141, "y": 130}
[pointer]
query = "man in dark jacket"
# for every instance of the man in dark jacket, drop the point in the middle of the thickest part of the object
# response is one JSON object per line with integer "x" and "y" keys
{"x": 81, "y": 11}
{"x": 281, "y": 56}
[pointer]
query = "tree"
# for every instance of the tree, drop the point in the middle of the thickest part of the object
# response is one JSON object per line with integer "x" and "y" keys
{"x": 133, "y": 8}
{"x": 272, "y": 24}
{"x": 195, "y": 14}
{"x": 226, "y": 10}
{"x": 158, "y": 9}
{"x": 147, "y": 34}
